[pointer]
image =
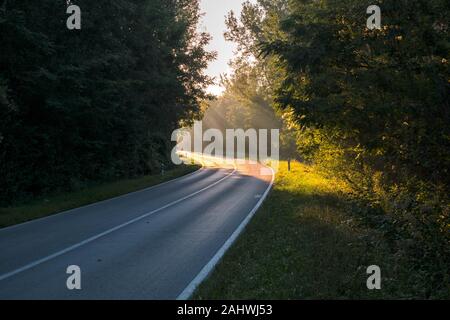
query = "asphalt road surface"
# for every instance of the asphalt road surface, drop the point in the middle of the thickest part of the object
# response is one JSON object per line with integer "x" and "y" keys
{"x": 157, "y": 243}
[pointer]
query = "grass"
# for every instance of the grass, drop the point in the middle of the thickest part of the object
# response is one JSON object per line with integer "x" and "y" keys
{"x": 304, "y": 244}
{"x": 61, "y": 202}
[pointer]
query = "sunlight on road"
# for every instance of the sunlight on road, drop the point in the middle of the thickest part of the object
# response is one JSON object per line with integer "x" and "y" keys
{"x": 244, "y": 166}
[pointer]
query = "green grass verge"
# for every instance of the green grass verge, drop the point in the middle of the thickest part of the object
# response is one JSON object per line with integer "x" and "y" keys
{"x": 61, "y": 202}
{"x": 304, "y": 244}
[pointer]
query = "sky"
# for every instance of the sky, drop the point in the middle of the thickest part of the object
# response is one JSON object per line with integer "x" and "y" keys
{"x": 214, "y": 23}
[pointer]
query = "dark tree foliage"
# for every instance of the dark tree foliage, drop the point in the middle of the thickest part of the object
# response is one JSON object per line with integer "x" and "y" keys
{"x": 368, "y": 106}
{"x": 97, "y": 103}
{"x": 387, "y": 90}
{"x": 373, "y": 107}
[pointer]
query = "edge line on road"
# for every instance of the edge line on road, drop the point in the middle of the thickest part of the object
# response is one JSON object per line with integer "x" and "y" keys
{"x": 209, "y": 267}
{"x": 102, "y": 201}
{"x": 109, "y": 231}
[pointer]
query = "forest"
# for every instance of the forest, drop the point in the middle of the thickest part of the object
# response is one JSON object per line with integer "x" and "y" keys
{"x": 369, "y": 107}
{"x": 99, "y": 103}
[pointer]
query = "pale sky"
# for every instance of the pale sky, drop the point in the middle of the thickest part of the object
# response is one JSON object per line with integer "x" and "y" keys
{"x": 214, "y": 23}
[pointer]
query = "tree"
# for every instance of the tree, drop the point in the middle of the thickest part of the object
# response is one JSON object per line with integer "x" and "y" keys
{"x": 369, "y": 106}
{"x": 97, "y": 103}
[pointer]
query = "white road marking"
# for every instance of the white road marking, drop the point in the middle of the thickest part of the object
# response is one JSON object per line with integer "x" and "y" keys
{"x": 101, "y": 202}
{"x": 189, "y": 290}
{"x": 100, "y": 235}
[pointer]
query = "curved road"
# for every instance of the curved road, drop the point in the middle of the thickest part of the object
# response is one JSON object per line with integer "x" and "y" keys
{"x": 158, "y": 243}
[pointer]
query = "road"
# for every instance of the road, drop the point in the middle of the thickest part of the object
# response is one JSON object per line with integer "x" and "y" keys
{"x": 158, "y": 243}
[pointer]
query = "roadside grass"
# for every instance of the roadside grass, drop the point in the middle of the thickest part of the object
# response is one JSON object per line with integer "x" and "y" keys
{"x": 304, "y": 244}
{"x": 61, "y": 202}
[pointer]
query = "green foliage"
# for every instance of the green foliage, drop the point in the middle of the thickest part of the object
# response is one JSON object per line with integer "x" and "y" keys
{"x": 98, "y": 103}
{"x": 368, "y": 106}
{"x": 307, "y": 243}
